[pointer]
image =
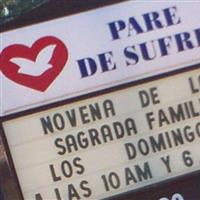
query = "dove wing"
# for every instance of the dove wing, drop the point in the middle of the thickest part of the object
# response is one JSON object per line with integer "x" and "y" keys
{"x": 45, "y": 54}
{"x": 25, "y": 64}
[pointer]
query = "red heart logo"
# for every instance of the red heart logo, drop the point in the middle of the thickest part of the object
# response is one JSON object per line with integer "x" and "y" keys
{"x": 40, "y": 80}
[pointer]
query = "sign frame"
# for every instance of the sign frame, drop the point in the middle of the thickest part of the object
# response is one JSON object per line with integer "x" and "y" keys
{"x": 85, "y": 97}
{"x": 53, "y": 10}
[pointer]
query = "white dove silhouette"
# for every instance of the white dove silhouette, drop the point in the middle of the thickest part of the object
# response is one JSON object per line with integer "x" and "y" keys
{"x": 40, "y": 65}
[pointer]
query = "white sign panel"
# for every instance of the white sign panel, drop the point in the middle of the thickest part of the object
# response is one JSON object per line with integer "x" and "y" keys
{"x": 109, "y": 144}
{"x": 77, "y": 54}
